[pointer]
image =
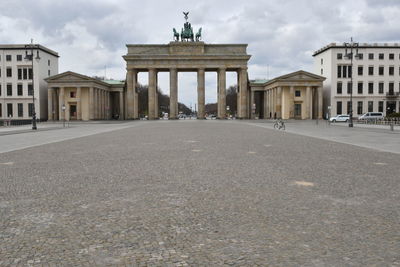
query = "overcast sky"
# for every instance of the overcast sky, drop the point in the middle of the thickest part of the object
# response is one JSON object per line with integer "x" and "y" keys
{"x": 90, "y": 35}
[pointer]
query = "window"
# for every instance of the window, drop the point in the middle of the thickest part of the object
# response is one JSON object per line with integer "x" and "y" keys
{"x": 19, "y": 57}
{"x": 0, "y": 72}
{"x": 360, "y": 56}
{"x": 30, "y": 109}
{"x": 380, "y": 89}
{"x": 30, "y": 89}
{"x": 297, "y": 93}
{"x": 322, "y": 61}
{"x": 380, "y": 70}
{"x": 360, "y": 70}
{"x": 48, "y": 62}
{"x": 9, "y": 110}
{"x": 1, "y": 110}
{"x": 391, "y": 88}
{"x": 322, "y": 71}
{"x": 19, "y": 89}
{"x": 339, "y": 88}
{"x": 72, "y": 94}
{"x": 339, "y": 56}
{"x": 9, "y": 72}
{"x": 391, "y": 56}
{"x": 391, "y": 70}
{"x": 370, "y": 106}
{"x": 339, "y": 107}
{"x": 360, "y": 88}
{"x": 370, "y": 88}
{"x": 381, "y": 56}
{"x": 30, "y": 74}
{"x": 380, "y": 106}
{"x": 339, "y": 71}
{"x": 349, "y": 87}
{"x": 349, "y": 107}
{"x": 359, "y": 107}
{"x": 19, "y": 74}
{"x": 370, "y": 56}
{"x": 0, "y": 91}
{"x": 48, "y": 73}
{"x": 9, "y": 89}
{"x": 20, "y": 109}
{"x": 344, "y": 71}
{"x": 8, "y": 57}
{"x": 370, "y": 70}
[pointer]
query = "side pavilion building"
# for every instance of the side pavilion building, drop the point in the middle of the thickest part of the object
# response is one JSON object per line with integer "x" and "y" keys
{"x": 73, "y": 96}
{"x": 296, "y": 95}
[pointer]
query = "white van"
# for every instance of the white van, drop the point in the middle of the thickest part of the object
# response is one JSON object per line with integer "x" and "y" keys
{"x": 371, "y": 116}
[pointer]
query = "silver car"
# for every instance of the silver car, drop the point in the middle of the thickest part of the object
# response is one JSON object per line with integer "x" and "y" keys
{"x": 340, "y": 118}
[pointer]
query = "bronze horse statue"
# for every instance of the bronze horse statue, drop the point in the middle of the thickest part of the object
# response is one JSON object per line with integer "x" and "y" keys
{"x": 198, "y": 35}
{"x": 176, "y": 35}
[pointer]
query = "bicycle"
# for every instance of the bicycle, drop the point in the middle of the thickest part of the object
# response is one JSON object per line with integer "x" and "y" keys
{"x": 279, "y": 124}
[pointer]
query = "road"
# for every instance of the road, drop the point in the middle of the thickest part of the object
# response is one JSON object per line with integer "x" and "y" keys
{"x": 190, "y": 193}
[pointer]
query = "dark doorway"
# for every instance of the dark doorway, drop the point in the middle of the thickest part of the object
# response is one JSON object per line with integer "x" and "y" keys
{"x": 391, "y": 107}
{"x": 72, "y": 112}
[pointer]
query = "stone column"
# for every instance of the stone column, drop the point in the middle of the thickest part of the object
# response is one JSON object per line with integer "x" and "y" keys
{"x": 279, "y": 102}
{"x": 135, "y": 95}
{"x": 94, "y": 103}
{"x": 291, "y": 102}
{"x": 50, "y": 104}
{"x": 252, "y": 103}
{"x": 222, "y": 93}
{"x": 121, "y": 105}
{"x": 129, "y": 94}
{"x": 152, "y": 93}
{"x": 308, "y": 104}
{"x": 201, "y": 96}
{"x": 107, "y": 105}
{"x": 320, "y": 107}
{"x": 91, "y": 103}
{"x": 104, "y": 104}
{"x": 61, "y": 102}
{"x": 78, "y": 103}
{"x": 243, "y": 107}
{"x": 266, "y": 114}
{"x": 173, "y": 94}
{"x": 156, "y": 100}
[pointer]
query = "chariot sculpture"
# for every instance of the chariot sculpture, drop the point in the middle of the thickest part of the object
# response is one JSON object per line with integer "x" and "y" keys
{"x": 187, "y": 33}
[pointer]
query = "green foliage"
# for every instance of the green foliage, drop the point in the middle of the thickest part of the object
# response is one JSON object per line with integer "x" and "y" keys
{"x": 393, "y": 115}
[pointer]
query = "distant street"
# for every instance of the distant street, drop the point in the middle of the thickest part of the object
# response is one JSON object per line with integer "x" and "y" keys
{"x": 198, "y": 193}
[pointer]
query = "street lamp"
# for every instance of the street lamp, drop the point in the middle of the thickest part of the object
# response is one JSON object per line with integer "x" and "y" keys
{"x": 349, "y": 47}
{"x": 29, "y": 56}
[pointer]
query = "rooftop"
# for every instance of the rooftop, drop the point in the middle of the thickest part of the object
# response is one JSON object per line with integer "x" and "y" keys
{"x": 360, "y": 45}
{"x": 22, "y": 47}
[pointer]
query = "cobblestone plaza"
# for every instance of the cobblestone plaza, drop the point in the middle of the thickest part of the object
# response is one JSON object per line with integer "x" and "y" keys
{"x": 198, "y": 193}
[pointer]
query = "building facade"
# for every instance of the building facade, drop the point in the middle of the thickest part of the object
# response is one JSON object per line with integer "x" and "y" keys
{"x": 16, "y": 91}
{"x": 296, "y": 95}
{"x": 376, "y": 78}
{"x": 73, "y": 96}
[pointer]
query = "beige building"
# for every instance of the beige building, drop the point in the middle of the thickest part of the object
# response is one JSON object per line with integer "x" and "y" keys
{"x": 296, "y": 95}
{"x": 72, "y": 96}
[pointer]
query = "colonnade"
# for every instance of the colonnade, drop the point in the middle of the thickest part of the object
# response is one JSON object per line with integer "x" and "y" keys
{"x": 97, "y": 99}
{"x": 280, "y": 102}
{"x": 132, "y": 94}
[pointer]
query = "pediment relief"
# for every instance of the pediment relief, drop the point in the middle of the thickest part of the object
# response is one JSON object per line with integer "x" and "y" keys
{"x": 300, "y": 76}
{"x": 69, "y": 76}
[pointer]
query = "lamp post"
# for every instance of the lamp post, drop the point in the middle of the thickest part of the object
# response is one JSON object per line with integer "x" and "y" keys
{"x": 29, "y": 48}
{"x": 349, "y": 47}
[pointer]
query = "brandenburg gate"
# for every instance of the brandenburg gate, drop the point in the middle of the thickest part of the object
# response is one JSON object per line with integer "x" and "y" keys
{"x": 186, "y": 55}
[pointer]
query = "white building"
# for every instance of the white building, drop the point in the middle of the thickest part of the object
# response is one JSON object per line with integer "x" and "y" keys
{"x": 16, "y": 81}
{"x": 376, "y": 78}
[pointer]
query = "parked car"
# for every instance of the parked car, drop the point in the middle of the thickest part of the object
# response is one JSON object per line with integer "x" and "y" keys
{"x": 371, "y": 116}
{"x": 340, "y": 118}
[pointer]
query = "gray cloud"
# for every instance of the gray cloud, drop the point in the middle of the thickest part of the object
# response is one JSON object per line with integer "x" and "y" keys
{"x": 282, "y": 35}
